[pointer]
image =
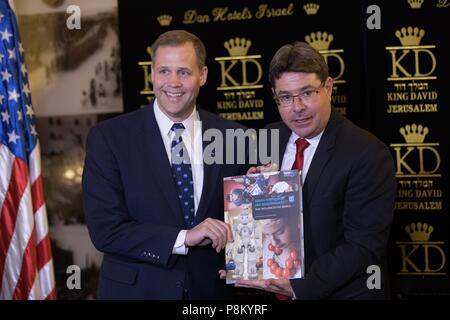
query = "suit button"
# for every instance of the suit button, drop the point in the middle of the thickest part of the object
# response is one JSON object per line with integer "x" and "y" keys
{"x": 179, "y": 284}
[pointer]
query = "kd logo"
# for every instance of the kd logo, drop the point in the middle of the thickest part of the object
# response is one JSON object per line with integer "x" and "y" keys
{"x": 411, "y": 60}
{"x": 416, "y": 157}
{"x": 247, "y": 66}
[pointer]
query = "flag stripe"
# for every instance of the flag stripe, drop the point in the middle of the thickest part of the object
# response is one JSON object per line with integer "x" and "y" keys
{"x": 35, "y": 292}
{"x": 9, "y": 210}
{"x": 18, "y": 244}
{"x": 40, "y": 223}
{"x": 29, "y": 270}
{"x": 44, "y": 252}
{"x": 37, "y": 194}
{"x": 43, "y": 249}
{"x": 52, "y": 294}
{"x": 6, "y": 161}
{"x": 47, "y": 281}
{"x": 35, "y": 163}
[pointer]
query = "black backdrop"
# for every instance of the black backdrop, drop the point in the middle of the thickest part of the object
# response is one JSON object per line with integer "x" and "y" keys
{"x": 389, "y": 80}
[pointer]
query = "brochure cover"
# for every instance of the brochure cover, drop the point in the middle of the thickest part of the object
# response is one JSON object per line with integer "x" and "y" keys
{"x": 263, "y": 210}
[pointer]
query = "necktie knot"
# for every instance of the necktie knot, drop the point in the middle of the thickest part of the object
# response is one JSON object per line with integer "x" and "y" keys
{"x": 301, "y": 144}
{"x": 177, "y": 126}
{"x": 177, "y": 129}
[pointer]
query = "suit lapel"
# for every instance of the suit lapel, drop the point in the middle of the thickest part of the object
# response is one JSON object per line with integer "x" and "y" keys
{"x": 155, "y": 155}
{"x": 211, "y": 173}
{"x": 321, "y": 156}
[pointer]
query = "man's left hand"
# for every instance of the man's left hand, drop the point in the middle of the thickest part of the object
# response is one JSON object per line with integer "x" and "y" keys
{"x": 280, "y": 286}
{"x": 264, "y": 168}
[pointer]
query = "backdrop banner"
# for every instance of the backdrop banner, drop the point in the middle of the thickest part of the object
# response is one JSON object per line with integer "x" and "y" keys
{"x": 389, "y": 61}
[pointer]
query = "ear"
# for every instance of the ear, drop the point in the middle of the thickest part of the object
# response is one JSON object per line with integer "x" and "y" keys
{"x": 203, "y": 75}
{"x": 329, "y": 86}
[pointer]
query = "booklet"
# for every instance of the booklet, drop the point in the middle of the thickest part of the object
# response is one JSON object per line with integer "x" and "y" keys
{"x": 263, "y": 210}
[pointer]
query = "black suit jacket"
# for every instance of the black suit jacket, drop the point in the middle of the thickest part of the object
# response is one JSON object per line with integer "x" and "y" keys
{"x": 134, "y": 216}
{"x": 348, "y": 204}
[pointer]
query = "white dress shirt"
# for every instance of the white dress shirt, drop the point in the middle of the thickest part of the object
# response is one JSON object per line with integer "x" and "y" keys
{"x": 192, "y": 139}
{"x": 308, "y": 154}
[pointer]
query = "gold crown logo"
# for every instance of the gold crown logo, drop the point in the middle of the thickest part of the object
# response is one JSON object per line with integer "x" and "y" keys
{"x": 319, "y": 40}
{"x": 414, "y": 133}
{"x": 237, "y": 46}
{"x": 419, "y": 232}
{"x": 164, "y": 20}
{"x": 410, "y": 36}
{"x": 311, "y": 8}
{"x": 415, "y": 4}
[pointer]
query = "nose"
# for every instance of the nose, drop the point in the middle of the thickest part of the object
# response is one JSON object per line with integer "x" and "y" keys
{"x": 298, "y": 104}
{"x": 174, "y": 80}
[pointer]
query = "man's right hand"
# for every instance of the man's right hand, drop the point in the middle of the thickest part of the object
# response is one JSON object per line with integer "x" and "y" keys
{"x": 209, "y": 231}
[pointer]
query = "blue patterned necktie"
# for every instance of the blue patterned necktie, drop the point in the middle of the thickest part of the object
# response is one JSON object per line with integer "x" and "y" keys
{"x": 182, "y": 175}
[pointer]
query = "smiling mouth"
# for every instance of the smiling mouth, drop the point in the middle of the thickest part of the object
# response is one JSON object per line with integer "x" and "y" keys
{"x": 173, "y": 94}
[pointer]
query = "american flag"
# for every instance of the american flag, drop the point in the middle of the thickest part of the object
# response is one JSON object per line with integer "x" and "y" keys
{"x": 26, "y": 265}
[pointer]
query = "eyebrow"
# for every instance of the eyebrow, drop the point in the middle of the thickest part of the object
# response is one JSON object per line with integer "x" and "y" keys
{"x": 177, "y": 69}
{"x": 308, "y": 86}
{"x": 184, "y": 69}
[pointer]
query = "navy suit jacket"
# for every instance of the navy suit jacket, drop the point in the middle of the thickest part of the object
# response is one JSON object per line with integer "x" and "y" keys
{"x": 134, "y": 216}
{"x": 348, "y": 205}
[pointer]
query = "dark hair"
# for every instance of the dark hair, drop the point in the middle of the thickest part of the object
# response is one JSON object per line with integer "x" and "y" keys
{"x": 297, "y": 57}
{"x": 176, "y": 38}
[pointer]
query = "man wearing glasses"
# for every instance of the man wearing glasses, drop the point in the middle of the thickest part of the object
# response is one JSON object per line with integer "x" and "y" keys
{"x": 348, "y": 185}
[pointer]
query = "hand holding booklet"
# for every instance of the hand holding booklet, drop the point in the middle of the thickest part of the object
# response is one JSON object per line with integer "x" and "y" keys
{"x": 263, "y": 210}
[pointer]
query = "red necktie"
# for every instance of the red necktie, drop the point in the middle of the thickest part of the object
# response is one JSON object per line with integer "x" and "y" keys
{"x": 301, "y": 144}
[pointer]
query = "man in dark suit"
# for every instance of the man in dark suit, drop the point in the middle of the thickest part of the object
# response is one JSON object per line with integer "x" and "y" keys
{"x": 158, "y": 218}
{"x": 348, "y": 185}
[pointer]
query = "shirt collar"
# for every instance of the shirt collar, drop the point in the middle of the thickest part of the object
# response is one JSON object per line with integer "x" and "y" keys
{"x": 165, "y": 123}
{"x": 312, "y": 141}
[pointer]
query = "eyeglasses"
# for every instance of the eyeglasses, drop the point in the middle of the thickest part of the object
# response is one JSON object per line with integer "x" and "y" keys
{"x": 306, "y": 96}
